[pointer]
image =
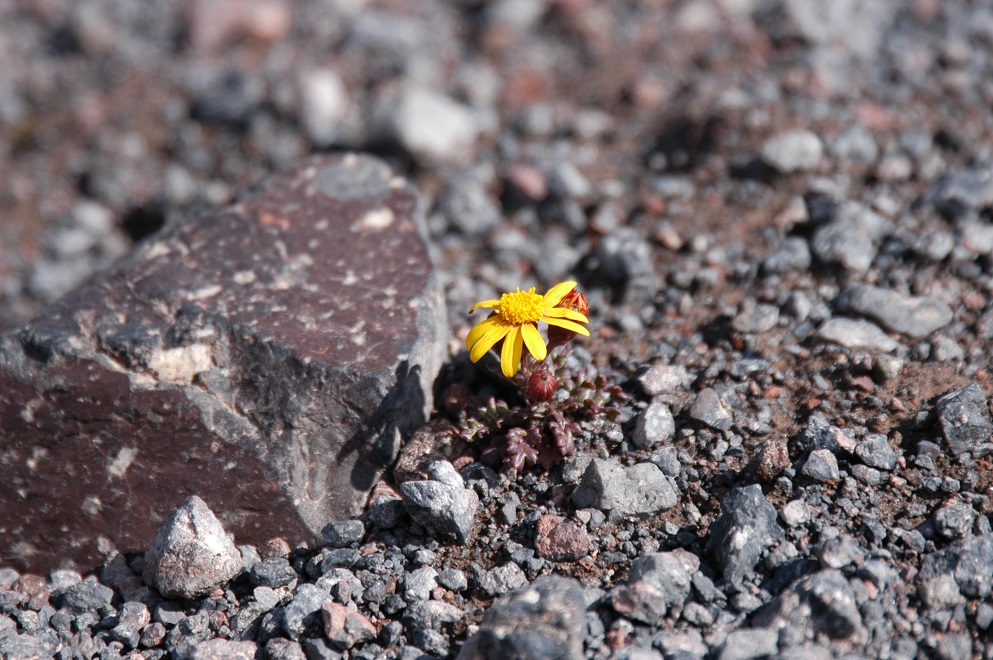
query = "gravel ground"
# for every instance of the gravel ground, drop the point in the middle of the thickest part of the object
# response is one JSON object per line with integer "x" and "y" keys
{"x": 780, "y": 211}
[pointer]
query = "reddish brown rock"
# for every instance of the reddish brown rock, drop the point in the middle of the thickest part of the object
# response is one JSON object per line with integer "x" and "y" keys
{"x": 268, "y": 358}
{"x": 559, "y": 539}
{"x": 344, "y": 627}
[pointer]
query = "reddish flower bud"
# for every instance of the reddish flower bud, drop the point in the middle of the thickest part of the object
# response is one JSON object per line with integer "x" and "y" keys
{"x": 574, "y": 300}
{"x": 541, "y": 386}
{"x": 577, "y": 301}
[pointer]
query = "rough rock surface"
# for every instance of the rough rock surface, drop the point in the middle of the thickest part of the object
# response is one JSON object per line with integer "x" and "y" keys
{"x": 542, "y": 620}
{"x": 191, "y": 554}
{"x": 267, "y": 357}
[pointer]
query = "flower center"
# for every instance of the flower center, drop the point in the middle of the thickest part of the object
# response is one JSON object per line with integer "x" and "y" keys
{"x": 521, "y": 307}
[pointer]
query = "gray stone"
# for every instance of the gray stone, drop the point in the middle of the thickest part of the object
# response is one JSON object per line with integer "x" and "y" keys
{"x": 638, "y": 490}
{"x": 819, "y": 433}
{"x": 914, "y": 316}
{"x": 338, "y": 557}
{"x": 946, "y": 349}
{"x": 822, "y": 603}
{"x": 295, "y": 335}
{"x": 431, "y": 614}
{"x": 654, "y": 426}
{"x": 969, "y": 560}
{"x": 431, "y": 126}
{"x": 418, "y": 584}
{"x": 663, "y": 378}
{"x": 567, "y": 182}
{"x": 324, "y": 104}
{"x": 855, "y": 144}
{"x": 962, "y": 191}
{"x": 856, "y": 333}
{"x": 639, "y": 601}
{"x": 341, "y": 533}
{"x": 940, "y": 592}
{"x": 445, "y": 472}
{"x": 755, "y": 318}
{"x": 26, "y": 647}
{"x": 964, "y": 419}
{"x": 445, "y": 509}
{"x": 87, "y": 595}
{"x": 688, "y": 645}
{"x": 543, "y": 620}
{"x": 452, "y": 578}
{"x": 501, "y": 579}
{"x": 302, "y": 614}
{"x": 191, "y": 554}
{"x": 851, "y": 238}
{"x": 709, "y": 409}
{"x": 273, "y": 572}
{"x": 468, "y": 203}
{"x": 821, "y": 466}
{"x": 875, "y": 451}
{"x": 669, "y": 572}
{"x": 279, "y": 648}
{"x": 839, "y": 552}
{"x": 131, "y": 618}
{"x": 747, "y": 528}
{"x": 223, "y": 649}
{"x": 792, "y": 255}
{"x": 795, "y": 513}
{"x": 955, "y": 520}
{"x": 750, "y": 643}
{"x": 793, "y": 151}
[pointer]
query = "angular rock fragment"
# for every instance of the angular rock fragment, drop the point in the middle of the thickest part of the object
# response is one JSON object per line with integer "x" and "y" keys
{"x": 559, "y": 539}
{"x": 641, "y": 489}
{"x": 542, "y": 620}
{"x": 655, "y": 426}
{"x": 822, "y": 603}
{"x": 268, "y": 358}
{"x": 914, "y": 316}
{"x": 854, "y": 333}
{"x": 346, "y": 628}
{"x": 223, "y": 649}
{"x": 747, "y": 527}
{"x": 969, "y": 561}
{"x": 191, "y": 554}
{"x": 964, "y": 419}
{"x": 793, "y": 151}
{"x": 709, "y": 409}
{"x": 447, "y": 510}
{"x": 851, "y": 237}
{"x": 670, "y": 572}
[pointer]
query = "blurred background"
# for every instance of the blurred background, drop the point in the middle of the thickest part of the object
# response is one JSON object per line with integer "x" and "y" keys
{"x": 534, "y": 128}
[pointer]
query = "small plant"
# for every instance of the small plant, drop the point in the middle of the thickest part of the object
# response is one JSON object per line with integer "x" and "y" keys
{"x": 543, "y": 430}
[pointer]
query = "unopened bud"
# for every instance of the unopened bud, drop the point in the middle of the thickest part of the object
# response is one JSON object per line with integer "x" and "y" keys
{"x": 541, "y": 386}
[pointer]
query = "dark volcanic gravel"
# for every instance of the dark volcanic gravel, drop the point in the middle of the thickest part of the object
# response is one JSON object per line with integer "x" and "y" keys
{"x": 780, "y": 211}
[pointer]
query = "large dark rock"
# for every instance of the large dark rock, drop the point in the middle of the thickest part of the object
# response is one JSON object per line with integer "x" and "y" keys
{"x": 268, "y": 358}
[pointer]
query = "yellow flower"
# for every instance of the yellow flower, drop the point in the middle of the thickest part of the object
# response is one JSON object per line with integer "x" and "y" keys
{"x": 515, "y": 322}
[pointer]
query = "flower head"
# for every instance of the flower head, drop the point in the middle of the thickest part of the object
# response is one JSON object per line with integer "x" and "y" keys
{"x": 515, "y": 321}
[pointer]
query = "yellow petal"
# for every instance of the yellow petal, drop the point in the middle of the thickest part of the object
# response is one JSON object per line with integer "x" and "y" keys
{"x": 486, "y": 342}
{"x": 489, "y": 304}
{"x": 568, "y": 325}
{"x": 534, "y": 341}
{"x": 479, "y": 330}
{"x": 510, "y": 357}
{"x": 563, "y": 313}
{"x": 556, "y": 294}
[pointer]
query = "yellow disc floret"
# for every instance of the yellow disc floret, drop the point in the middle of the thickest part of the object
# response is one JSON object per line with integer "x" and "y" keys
{"x": 521, "y": 307}
{"x": 515, "y": 322}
